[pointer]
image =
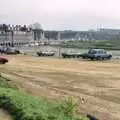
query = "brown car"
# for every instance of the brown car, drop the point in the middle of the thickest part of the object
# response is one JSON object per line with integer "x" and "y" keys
{"x": 3, "y": 60}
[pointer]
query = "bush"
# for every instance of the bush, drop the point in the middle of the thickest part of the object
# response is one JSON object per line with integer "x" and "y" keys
{"x": 5, "y": 83}
{"x": 68, "y": 107}
{"x": 26, "y": 107}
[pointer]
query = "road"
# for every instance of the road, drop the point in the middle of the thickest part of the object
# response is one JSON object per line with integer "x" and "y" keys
{"x": 94, "y": 84}
{"x": 57, "y": 50}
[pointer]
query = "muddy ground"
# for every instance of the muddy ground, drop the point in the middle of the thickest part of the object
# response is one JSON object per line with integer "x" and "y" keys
{"x": 95, "y": 84}
{"x": 4, "y": 115}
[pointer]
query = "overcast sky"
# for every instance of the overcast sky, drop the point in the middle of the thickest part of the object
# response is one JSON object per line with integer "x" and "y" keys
{"x": 62, "y": 14}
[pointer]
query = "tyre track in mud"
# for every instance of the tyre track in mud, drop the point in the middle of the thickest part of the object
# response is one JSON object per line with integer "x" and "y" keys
{"x": 90, "y": 101}
{"x": 96, "y": 89}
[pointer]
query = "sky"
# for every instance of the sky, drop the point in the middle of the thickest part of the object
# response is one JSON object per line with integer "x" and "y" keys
{"x": 62, "y": 14}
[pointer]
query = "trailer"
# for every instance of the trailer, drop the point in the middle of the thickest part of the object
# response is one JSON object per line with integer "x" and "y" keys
{"x": 71, "y": 55}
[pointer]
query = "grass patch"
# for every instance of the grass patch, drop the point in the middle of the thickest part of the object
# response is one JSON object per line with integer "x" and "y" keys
{"x": 23, "y": 106}
{"x": 101, "y": 44}
{"x": 5, "y": 83}
{"x": 26, "y": 107}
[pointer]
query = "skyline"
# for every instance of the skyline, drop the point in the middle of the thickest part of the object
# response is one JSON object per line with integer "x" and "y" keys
{"x": 62, "y": 14}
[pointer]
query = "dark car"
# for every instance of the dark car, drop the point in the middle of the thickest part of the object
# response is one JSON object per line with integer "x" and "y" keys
{"x": 3, "y": 49}
{"x": 12, "y": 51}
{"x": 98, "y": 54}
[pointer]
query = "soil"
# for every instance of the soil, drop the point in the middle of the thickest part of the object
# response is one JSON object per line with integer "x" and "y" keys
{"x": 94, "y": 84}
{"x": 4, "y": 115}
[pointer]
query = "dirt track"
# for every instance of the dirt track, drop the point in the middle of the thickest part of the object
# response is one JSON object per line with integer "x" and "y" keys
{"x": 96, "y": 85}
{"x": 4, "y": 115}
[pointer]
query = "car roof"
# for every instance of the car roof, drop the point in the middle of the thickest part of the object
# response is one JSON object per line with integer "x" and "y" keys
{"x": 98, "y": 49}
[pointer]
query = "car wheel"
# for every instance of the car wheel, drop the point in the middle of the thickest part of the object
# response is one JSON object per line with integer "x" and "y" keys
{"x": 99, "y": 58}
{"x": 109, "y": 57}
{"x": 64, "y": 56}
{"x": 83, "y": 57}
{"x": 2, "y": 62}
{"x": 103, "y": 58}
{"x": 92, "y": 58}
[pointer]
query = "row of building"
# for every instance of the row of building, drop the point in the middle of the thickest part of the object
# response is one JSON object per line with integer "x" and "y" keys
{"x": 23, "y": 34}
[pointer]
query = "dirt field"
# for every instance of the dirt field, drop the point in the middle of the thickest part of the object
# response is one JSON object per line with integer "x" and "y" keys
{"x": 4, "y": 115}
{"x": 96, "y": 85}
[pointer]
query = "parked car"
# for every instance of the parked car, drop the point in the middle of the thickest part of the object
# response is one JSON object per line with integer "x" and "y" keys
{"x": 12, "y": 51}
{"x": 96, "y": 54}
{"x": 3, "y": 49}
{"x": 9, "y": 50}
{"x": 45, "y": 53}
{"x": 3, "y": 60}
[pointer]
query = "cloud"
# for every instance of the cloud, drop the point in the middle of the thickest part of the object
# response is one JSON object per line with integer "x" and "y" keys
{"x": 62, "y": 14}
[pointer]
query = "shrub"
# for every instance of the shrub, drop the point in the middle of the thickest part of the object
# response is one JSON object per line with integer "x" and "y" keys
{"x": 5, "y": 83}
{"x": 26, "y": 107}
{"x": 68, "y": 106}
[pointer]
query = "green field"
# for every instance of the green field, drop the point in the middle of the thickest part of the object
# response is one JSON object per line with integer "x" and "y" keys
{"x": 101, "y": 44}
{"x": 22, "y": 106}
